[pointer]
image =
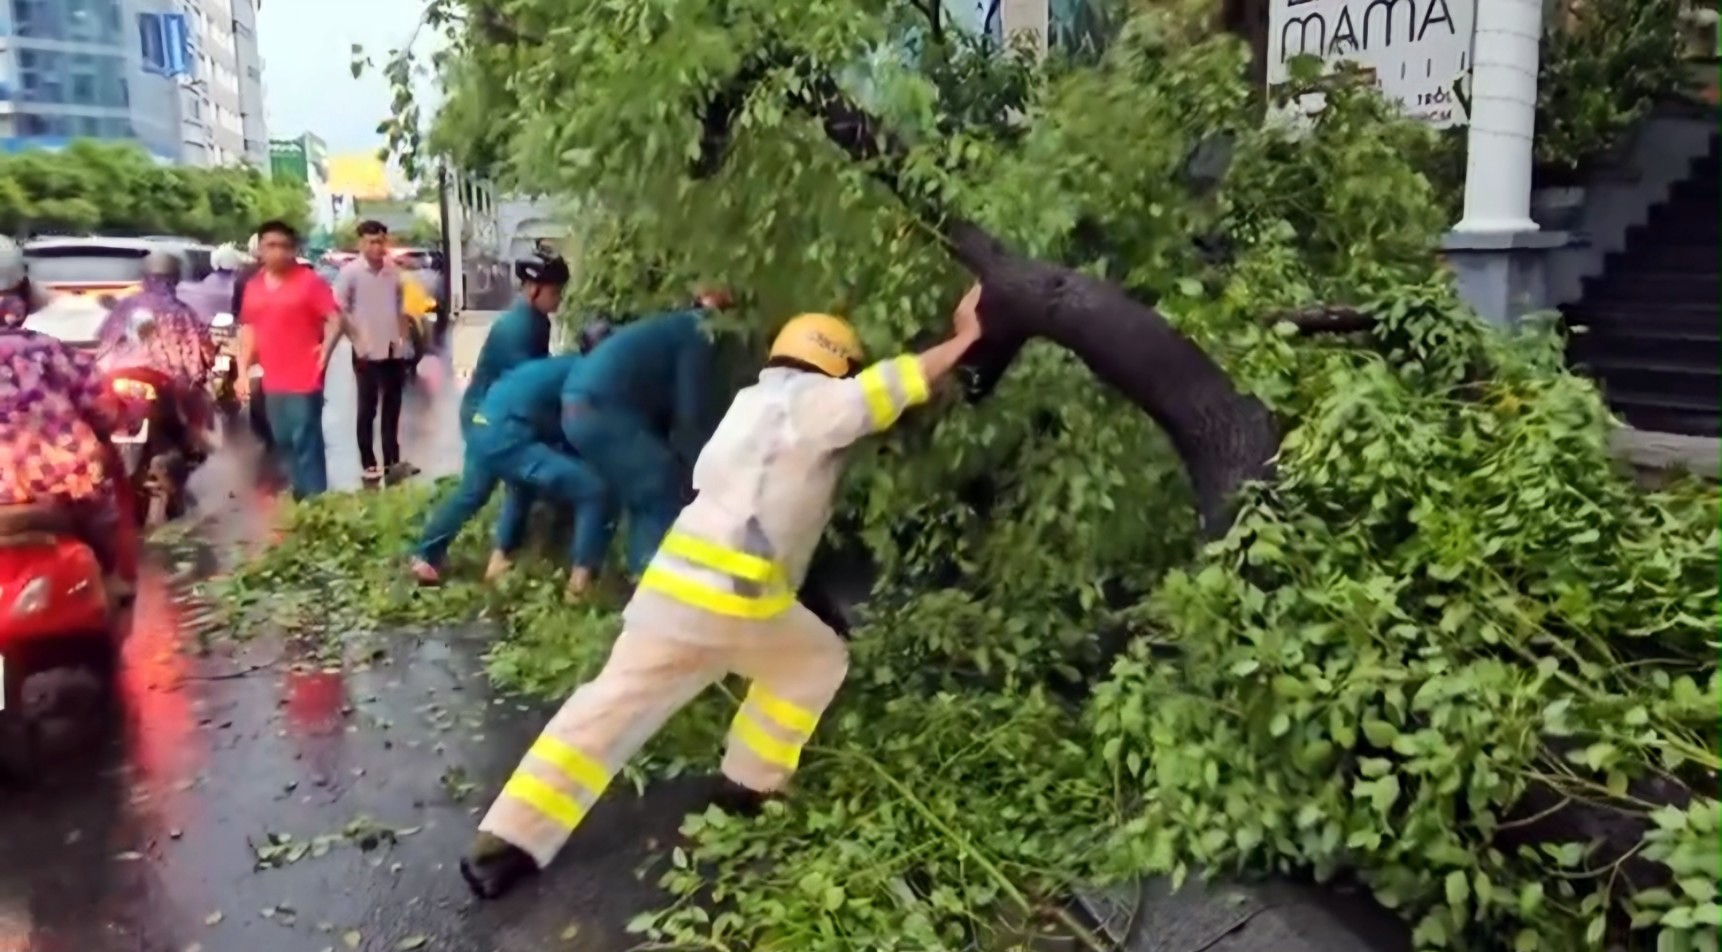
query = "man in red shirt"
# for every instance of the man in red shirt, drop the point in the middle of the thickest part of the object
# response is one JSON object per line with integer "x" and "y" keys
{"x": 289, "y": 323}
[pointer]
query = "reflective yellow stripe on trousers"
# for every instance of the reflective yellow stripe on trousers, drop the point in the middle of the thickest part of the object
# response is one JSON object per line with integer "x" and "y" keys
{"x": 892, "y": 386}
{"x": 735, "y": 564}
{"x": 587, "y": 775}
{"x": 764, "y": 708}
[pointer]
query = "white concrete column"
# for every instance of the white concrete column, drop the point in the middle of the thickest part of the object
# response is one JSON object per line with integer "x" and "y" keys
{"x": 455, "y": 279}
{"x": 1505, "y": 55}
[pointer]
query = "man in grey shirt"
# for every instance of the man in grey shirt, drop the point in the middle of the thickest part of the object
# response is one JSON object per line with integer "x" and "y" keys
{"x": 368, "y": 289}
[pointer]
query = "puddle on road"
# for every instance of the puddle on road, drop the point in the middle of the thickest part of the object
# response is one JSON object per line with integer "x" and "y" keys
{"x": 253, "y": 797}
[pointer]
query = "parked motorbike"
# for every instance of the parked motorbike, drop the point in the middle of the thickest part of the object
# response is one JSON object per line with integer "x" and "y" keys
{"x": 158, "y": 452}
{"x": 55, "y": 612}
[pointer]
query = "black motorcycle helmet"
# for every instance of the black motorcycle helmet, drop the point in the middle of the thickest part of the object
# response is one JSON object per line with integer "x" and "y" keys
{"x": 541, "y": 267}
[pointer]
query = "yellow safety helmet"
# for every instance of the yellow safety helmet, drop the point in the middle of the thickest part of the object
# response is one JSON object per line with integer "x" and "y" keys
{"x": 822, "y": 341}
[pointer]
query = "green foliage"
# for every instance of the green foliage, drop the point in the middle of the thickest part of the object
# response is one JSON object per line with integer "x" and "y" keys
{"x": 117, "y": 189}
{"x": 1602, "y": 70}
{"x": 1448, "y": 597}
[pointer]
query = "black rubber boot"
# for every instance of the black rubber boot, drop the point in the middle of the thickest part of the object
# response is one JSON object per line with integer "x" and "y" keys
{"x": 493, "y": 866}
{"x": 737, "y": 800}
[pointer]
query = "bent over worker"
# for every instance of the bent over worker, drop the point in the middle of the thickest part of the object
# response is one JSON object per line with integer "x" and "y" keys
{"x": 519, "y": 335}
{"x": 719, "y": 596}
{"x": 639, "y": 410}
{"x": 515, "y": 439}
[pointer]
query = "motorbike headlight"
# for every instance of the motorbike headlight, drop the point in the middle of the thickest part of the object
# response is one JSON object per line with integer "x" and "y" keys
{"x": 223, "y": 319}
{"x": 32, "y": 598}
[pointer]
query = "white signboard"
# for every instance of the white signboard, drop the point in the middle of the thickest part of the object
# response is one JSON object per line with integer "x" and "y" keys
{"x": 1419, "y": 50}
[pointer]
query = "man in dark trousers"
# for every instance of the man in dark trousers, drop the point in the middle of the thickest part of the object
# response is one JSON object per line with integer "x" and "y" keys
{"x": 370, "y": 292}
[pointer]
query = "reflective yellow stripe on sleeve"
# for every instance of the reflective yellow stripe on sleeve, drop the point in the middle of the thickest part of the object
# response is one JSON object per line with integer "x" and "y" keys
{"x": 701, "y": 595}
{"x": 574, "y": 765}
{"x": 768, "y": 748}
{"x": 788, "y": 714}
{"x": 750, "y": 568}
{"x": 884, "y": 405}
{"x": 544, "y": 798}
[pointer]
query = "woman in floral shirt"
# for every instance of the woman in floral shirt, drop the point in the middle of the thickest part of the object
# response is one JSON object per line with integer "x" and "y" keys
{"x": 56, "y": 416}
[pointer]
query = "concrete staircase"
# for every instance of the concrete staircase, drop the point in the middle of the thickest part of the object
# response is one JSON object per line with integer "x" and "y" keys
{"x": 1651, "y": 322}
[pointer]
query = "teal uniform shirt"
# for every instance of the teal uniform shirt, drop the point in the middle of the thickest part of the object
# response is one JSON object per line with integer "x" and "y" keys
{"x": 659, "y": 370}
{"x": 519, "y": 335}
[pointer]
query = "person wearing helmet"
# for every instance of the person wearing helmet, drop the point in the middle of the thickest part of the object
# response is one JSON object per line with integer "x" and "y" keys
{"x": 719, "y": 596}
{"x": 213, "y": 295}
{"x": 519, "y": 335}
{"x": 640, "y": 409}
{"x": 154, "y": 328}
{"x": 18, "y": 297}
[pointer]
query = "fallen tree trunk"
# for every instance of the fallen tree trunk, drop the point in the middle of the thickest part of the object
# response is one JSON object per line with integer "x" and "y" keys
{"x": 1225, "y": 438}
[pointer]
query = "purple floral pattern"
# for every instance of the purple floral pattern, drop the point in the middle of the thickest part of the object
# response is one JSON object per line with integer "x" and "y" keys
{"x": 54, "y": 411}
{"x": 180, "y": 345}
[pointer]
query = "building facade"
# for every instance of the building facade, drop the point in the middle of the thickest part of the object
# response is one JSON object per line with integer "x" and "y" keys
{"x": 182, "y": 78}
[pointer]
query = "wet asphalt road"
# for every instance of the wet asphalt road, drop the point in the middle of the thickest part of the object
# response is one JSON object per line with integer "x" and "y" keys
{"x": 143, "y": 837}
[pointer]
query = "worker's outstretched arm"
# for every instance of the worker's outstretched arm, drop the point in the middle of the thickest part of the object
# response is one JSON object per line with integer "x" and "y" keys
{"x": 843, "y": 411}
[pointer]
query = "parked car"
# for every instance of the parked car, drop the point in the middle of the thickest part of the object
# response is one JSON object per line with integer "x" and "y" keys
{"x": 107, "y": 269}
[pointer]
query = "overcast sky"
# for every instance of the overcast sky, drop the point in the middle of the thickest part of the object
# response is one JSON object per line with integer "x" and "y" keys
{"x": 307, "y": 48}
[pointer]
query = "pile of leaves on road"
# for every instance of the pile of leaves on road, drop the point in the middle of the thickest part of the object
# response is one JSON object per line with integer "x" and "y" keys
{"x": 1451, "y": 651}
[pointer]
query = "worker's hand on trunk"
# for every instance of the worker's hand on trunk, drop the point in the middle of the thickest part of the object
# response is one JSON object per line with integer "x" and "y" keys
{"x": 966, "y": 320}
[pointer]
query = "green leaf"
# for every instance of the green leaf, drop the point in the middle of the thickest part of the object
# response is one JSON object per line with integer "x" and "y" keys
{"x": 1458, "y": 889}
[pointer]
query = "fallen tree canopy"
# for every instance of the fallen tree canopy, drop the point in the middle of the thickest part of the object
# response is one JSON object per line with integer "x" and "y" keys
{"x": 1447, "y": 649}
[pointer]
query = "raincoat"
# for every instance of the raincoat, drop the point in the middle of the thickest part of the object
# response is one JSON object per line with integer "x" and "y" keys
{"x": 180, "y": 345}
{"x": 211, "y": 296}
{"x": 719, "y": 597}
{"x": 56, "y": 415}
{"x": 638, "y": 411}
{"x": 515, "y": 439}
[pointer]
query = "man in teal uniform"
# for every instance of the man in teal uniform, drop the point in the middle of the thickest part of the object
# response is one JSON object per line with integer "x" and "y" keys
{"x": 638, "y": 410}
{"x": 522, "y": 333}
{"x": 519, "y": 335}
{"x": 515, "y": 438}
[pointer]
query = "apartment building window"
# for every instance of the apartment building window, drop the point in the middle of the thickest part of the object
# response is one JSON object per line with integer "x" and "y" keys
{"x": 165, "y": 44}
{"x": 85, "y": 21}
{"x": 36, "y": 124}
{"x": 39, "y": 76}
{"x": 80, "y": 79}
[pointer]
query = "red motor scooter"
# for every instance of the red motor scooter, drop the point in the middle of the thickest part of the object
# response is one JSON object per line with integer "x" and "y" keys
{"x": 55, "y": 611}
{"x": 157, "y": 453}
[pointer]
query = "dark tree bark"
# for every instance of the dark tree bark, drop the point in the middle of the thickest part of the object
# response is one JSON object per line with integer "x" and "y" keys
{"x": 1224, "y": 437}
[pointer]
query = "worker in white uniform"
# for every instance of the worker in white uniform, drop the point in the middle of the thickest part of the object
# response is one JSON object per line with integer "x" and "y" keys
{"x": 719, "y": 595}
